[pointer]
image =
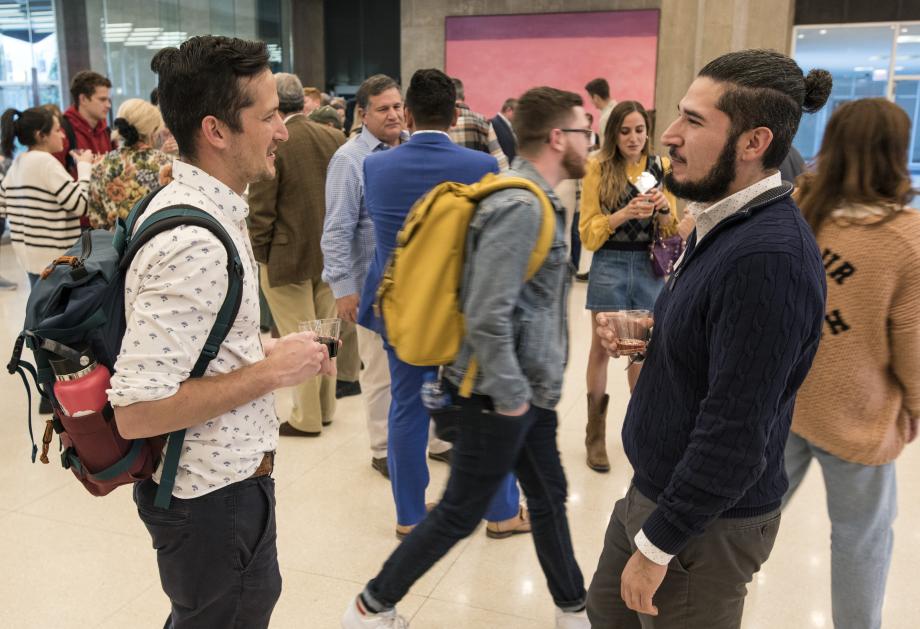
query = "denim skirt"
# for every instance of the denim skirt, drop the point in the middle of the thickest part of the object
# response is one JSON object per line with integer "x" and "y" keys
{"x": 622, "y": 280}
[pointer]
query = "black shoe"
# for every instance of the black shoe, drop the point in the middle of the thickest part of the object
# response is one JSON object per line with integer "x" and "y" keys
{"x": 581, "y": 277}
{"x": 443, "y": 457}
{"x": 44, "y": 406}
{"x": 286, "y": 430}
{"x": 381, "y": 466}
{"x": 344, "y": 388}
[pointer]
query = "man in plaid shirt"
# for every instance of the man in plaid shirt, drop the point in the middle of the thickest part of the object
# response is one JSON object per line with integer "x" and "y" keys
{"x": 474, "y": 131}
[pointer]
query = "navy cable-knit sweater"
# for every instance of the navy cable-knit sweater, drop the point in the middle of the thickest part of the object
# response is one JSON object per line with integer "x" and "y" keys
{"x": 736, "y": 330}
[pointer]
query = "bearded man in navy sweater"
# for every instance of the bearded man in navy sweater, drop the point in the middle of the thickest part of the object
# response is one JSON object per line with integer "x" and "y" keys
{"x": 735, "y": 333}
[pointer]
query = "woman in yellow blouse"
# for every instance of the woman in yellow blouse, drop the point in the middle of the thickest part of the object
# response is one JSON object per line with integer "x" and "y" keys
{"x": 618, "y": 224}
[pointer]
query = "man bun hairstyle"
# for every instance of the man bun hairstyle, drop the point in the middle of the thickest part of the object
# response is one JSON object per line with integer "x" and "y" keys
{"x": 431, "y": 98}
{"x": 539, "y": 111}
{"x": 206, "y": 76}
{"x": 818, "y": 85}
{"x": 765, "y": 88}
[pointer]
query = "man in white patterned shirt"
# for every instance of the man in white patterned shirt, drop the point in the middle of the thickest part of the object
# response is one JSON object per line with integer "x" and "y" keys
{"x": 216, "y": 543}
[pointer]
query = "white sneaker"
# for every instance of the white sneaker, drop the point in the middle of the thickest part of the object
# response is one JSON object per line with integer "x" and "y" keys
{"x": 358, "y": 617}
{"x": 572, "y": 620}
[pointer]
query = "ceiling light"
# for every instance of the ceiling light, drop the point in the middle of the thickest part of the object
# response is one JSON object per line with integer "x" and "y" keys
{"x": 801, "y": 35}
{"x": 823, "y": 31}
{"x": 909, "y": 39}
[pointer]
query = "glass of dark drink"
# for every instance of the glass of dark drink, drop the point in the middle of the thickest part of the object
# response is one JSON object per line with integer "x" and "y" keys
{"x": 632, "y": 327}
{"x": 326, "y": 331}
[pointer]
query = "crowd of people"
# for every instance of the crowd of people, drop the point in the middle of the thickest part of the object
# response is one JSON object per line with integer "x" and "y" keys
{"x": 786, "y": 331}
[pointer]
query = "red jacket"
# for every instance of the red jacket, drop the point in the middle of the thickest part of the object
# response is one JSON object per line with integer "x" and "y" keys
{"x": 95, "y": 139}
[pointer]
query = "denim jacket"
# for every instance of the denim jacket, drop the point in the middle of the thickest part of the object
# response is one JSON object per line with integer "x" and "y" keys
{"x": 517, "y": 331}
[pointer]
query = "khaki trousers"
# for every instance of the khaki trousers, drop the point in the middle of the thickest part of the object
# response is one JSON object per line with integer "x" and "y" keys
{"x": 348, "y": 362}
{"x": 314, "y": 399}
{"x": 375, "y": 388}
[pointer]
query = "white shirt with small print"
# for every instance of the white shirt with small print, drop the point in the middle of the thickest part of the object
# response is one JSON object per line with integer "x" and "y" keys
{"x": 173, "y": 291}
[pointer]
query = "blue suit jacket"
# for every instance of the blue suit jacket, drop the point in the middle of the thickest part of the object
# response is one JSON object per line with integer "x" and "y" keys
{"x": 394, "y": 180}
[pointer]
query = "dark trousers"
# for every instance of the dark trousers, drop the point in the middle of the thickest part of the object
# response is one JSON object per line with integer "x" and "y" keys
{"x": 576, "y": 241}
{"x": 706, "y": 582}
{"x": 487, "y": 449}
{"x": 217, "y": 554}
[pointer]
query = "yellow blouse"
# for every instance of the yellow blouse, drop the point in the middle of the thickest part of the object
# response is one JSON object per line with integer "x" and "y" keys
{"x": 594, "y": 226}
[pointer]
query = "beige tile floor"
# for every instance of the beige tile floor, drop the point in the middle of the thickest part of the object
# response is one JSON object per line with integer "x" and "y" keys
{"x": 68, "y": 560}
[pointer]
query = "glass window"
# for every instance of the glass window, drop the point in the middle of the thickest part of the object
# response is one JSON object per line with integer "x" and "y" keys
{"x": 29, "y": 67}
{"x": 134, "y": 30}
{"x": 907, "y": 60}
{"x": 858, "y": 57}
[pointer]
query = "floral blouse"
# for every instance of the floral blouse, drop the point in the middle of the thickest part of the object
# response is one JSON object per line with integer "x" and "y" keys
{"x": 120, "y": 179}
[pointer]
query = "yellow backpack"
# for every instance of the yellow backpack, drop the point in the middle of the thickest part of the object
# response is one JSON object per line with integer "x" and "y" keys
{"x": 419, "y": 295}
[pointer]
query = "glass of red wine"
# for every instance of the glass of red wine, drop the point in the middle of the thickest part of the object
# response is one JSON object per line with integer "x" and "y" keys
{"x": 326, "y": 331}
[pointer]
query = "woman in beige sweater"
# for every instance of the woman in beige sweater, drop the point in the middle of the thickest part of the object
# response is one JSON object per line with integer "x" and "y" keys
{"x": 860, "y": 404}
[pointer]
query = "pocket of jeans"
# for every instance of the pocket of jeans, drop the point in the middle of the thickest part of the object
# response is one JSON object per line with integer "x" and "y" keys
{"x": 447, "y": 422}
{"x": 173, "y": 517}
{"x": 764, "y": 522}
{"x": 249, "y": 552}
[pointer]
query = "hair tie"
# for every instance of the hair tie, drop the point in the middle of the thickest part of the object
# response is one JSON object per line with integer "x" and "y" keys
{"x": 127, "y": 131}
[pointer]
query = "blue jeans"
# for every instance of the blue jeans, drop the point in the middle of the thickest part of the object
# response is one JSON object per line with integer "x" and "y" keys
{"x": 408, "y": 438}
{"x": 622, "y": 280}
{"x": 217, "y": 554}
{"x": 862, "y": 504}
{"x": 488, "y": 447}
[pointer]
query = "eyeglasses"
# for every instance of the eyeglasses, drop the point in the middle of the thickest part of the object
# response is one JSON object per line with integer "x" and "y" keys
{"x": 586, "y": 132}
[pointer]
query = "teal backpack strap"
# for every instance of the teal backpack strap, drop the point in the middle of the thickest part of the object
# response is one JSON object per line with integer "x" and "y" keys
{"x": 164, "y": 220}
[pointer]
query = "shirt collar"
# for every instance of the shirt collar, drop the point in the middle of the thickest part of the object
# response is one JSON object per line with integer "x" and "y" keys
{"x": 230, "y": 203}
{"x": 502, "y": 116}
{"x": 370, "y": 140}
{"x": 289, "y": 116}
{"x": 708, "y": 216}
{"x": 421, "y": 131}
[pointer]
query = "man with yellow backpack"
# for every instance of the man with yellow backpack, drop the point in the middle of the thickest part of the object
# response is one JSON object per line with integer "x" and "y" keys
{"x": 505, "y": 377}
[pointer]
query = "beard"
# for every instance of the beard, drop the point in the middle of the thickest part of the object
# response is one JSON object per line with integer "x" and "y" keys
{"x": 574, "y": 164}
{"x": 714, "y": 185}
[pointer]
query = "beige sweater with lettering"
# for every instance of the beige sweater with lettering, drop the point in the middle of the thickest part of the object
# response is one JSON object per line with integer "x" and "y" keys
{"x": 865, "y": 381}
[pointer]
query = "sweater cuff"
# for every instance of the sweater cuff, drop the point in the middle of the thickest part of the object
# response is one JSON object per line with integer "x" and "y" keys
{"x": 665, "y": 536}
{"x": 84, "y": 171}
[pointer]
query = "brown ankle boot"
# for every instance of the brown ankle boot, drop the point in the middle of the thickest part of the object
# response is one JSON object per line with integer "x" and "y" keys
{"x": 595, "y": 438}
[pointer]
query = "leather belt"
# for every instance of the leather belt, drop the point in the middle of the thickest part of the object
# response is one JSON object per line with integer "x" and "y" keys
{"x": 266, "y": 466}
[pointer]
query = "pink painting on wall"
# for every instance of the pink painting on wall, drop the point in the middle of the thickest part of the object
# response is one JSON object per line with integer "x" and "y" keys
{"x": 502, "y": 56}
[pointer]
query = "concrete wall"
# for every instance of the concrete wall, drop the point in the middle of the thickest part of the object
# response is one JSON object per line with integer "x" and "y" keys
{"x": 692, "y": 32}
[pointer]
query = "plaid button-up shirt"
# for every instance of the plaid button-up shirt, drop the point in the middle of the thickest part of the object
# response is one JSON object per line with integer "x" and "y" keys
{"x": 475, "y": 132}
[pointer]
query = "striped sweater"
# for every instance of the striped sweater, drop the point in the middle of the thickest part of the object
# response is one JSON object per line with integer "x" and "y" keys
{"x": 43, "y": 205}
